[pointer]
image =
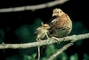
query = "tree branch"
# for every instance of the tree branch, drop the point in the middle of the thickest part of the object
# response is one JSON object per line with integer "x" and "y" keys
{"x": 60, "y": 51}
{"x": 49, "y": 41}
{"x": 34, "y": 7}
{"x": 67, "y": 45}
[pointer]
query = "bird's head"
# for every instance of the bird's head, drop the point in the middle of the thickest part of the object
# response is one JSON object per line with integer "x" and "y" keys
{"x": 57, "y": 12}
{"x": 45, "y": 26}
{"x": 42, "y": 28}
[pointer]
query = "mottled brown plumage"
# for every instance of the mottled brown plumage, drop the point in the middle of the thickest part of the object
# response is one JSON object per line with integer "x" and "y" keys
{"x": 42, "y": 32}
{"x": 61, "y": 25}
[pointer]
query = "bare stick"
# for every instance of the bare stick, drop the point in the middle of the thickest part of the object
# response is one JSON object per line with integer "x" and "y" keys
{"x": 60, "y": 51}
{"x": 34, "y": 7}
{"x": 45, "y": 42}
{"x": 38, "y": 52}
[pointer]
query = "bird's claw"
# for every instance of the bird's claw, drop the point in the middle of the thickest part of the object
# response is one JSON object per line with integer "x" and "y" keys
{"x": 39, "y": 40}
{"x": 55, "y": 38}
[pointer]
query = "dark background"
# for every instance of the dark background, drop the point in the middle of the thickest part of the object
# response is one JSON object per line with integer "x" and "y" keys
{"x": 18, "y": 27}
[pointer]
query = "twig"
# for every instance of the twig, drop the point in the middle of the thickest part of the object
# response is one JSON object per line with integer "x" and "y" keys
{"x": 45, "y": 42}
{"x": 60, "y": 51}
{"x": 34, "y": 7}
{"x": 38, "y": 52}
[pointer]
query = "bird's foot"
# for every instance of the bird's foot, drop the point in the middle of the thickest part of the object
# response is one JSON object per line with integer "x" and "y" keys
{"x": 39, "y": 40}
{"x": 55, "y": 38}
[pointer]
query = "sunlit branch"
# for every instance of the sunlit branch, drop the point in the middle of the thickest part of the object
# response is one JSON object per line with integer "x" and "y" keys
{"x": 49, "y": 41}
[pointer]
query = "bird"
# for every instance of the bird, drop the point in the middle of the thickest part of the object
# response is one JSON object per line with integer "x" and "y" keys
{"x": 60, "y": 25}
{"x": 42, "y": 32}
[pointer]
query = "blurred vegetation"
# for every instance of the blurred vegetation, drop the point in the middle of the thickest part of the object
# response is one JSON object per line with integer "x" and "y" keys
{"x": 25, "y": 34}
{"x": 19, "y": 27}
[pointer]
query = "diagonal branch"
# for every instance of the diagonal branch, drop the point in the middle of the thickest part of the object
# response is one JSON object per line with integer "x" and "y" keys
{"x": 49, "y": 41}
{"x": 60, "y": 51}
{"x": 64, "y": 47}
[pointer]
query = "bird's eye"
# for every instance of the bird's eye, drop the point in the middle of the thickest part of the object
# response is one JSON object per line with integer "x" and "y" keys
{"x": 44, "y": 26}
{"x": 60, "y": 11}
{"x": 57, "y": 12}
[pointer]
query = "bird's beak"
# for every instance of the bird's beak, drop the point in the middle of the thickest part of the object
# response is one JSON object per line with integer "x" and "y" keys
{"x": 35, "y": 33}
{"x": 53, "y": 15}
